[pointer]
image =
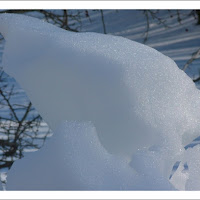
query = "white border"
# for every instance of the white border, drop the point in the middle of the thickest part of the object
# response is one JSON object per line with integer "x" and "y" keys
{"x": 100, "y": 4}
{"x": 99, "y": 195}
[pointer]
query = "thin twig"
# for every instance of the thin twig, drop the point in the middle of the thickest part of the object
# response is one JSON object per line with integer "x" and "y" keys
{"x": 103, "y": 22}
{"x": 195, "y": 56}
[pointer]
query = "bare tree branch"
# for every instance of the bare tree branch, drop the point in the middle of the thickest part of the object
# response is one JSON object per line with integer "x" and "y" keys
{"x": 195, "y": 56}
{"x": 103, "y": 22}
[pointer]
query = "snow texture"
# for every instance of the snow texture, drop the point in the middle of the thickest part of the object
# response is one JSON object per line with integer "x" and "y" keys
{"x": 143, "y": 109}
{"x": 74, "y": 159}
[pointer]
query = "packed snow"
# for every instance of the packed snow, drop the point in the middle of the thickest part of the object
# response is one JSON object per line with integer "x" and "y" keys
{"x": 121, "y": 112}
{"x": 74, "y": 159}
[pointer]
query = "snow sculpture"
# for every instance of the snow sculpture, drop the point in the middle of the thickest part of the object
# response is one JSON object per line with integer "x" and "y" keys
{"x": 140, "y": 104}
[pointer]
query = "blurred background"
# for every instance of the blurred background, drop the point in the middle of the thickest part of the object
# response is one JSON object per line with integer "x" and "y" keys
{"x": 175, "y": 33}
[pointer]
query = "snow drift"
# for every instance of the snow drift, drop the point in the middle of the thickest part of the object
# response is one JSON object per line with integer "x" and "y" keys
{"x": 123, "y": 110}
{"x": 74, "y": 159}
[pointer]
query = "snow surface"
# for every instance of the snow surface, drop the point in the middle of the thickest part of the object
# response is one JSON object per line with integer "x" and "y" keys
{"x": 177, "y": 40}
{"x": 142, "y": 107}
{"x": 74, "y": 159}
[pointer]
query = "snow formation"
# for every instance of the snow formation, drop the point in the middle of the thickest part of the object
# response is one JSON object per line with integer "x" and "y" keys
{"x": 121, "y": 111}
{"x": 74, "y": 159}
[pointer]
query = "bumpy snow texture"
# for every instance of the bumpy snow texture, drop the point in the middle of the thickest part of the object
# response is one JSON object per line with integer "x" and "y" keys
{"x": 121, "y": 111}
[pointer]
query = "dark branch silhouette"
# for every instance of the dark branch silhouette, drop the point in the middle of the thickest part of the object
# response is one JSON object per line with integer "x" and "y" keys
{"x": 19, "y": 126}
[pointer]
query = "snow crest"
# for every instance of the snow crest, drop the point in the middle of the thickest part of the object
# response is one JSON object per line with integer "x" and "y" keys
{"x": 142, "y": 109}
